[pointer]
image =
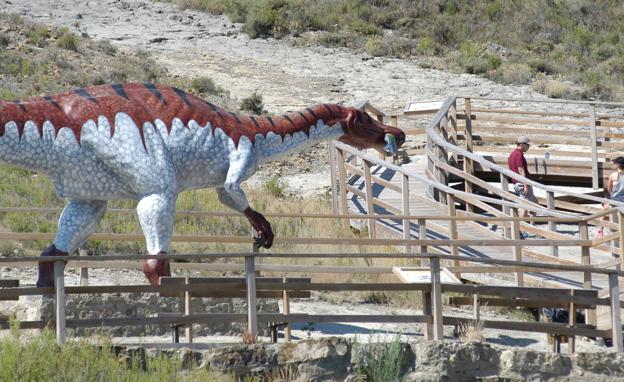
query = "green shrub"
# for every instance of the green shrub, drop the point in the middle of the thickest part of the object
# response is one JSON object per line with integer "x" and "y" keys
{"x": 205, "y": 85}
{"x": 376, "y": 47}
{"x": 381, "y": 360}
{"x": 253, "y": 103}
{"x": 67, "y": 40}
{"x": 514, "y": 73}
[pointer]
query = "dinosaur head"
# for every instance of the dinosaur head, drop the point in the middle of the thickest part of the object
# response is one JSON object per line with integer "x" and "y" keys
{"x": 363, "y": 132}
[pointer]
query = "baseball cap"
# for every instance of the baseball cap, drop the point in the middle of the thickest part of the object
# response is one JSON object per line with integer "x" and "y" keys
{"x": 523, "y": 139}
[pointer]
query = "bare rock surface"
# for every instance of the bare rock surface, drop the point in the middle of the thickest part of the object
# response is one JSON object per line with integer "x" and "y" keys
{"x": 338, "y": 359}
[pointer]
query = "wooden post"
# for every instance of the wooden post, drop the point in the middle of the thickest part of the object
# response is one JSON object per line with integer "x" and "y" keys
{"x": 426, "y": 304}
{"x": 450, "y": 202}
{"x": 476, "y": 311}
{"x": 436, "y": 300}
{"x": 615, "y": 218}
{"x": 506, "y": 210}
{"x": 382, "y": 154}
{"x": 572, "y": 322}
{"x": 616, "y": 320}
{"x": 188, "y": 308}
{"x": 621, "y": 232}
{"x": 370, "y": 206}
{"x": 517, "y": 248}
{"x": 590, "y": 314}
{"x": 59, "y": 288}
{"x": 332, "y": 174}
{"x": 468, "y": 163}
{"x": 286, "y": 303}
{"x": 594, "y": 145}
{"x": 552, "y": 226}
{"x": 431, "y": 191}
{"x": 250, "y": 277}
{"x": 343, "y": 187}
{"x": 422, "y": 235}
{"x": 84, "y": 271}
{"x": 406, "y": 210}
{"x": 453, "y": 121}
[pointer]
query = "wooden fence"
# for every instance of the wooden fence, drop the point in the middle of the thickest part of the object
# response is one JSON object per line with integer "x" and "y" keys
{"x": 432, "y": 315}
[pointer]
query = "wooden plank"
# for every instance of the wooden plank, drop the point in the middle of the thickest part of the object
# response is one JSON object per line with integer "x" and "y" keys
{"x": 572, "y": 322}
{"x": 511, "y": 302}
{"x": 252, "y": 307}
{"x": 9, "y": 283}
{"x": 59, "y": 301}
{"x": 342, "y": 178}
{"x": 84, "y": 271}
{"x": 333, "y": 176}
{"x": 423, "y": 275}
{"x": 188, "y": 310}
{"x": 552, "y": 226}
{"x": 616, "y": 321}
{"x": 539, "y": 327}
{"x": 517, "y": 249}
{"x": 450, "y": 202}
{"x": 286, "y": 311}
{"x": 405, "y": 204}
{"x": 554, "y": 295}
{"x": 436, "y": 300}
{"x": 594, "y": 146}
{"x": 370, "y": 209}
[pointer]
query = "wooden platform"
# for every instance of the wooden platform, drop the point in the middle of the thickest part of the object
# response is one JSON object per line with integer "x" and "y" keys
{"x": 421, "y": 204}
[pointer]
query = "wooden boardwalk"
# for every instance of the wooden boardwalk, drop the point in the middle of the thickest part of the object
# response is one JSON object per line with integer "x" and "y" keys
{"x": 421, "y": 204}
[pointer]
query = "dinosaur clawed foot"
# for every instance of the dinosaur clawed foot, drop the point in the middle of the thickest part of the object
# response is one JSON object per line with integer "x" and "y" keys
{"x": 262, "y": 227}
{"x": 154, "y": 269}
{"x": 46, "y": 269}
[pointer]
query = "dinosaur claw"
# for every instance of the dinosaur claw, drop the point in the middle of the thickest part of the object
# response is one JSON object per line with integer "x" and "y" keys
{"x": 265, "y": 235}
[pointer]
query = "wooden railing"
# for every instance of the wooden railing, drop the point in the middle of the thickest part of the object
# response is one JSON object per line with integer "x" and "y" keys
{"x": 432, "y": 313}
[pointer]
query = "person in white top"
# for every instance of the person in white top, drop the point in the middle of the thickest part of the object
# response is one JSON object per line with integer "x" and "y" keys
{"x": 615, "y": 188}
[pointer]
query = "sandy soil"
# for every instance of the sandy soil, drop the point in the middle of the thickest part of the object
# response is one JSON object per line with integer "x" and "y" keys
{"x": 189, "y": 43}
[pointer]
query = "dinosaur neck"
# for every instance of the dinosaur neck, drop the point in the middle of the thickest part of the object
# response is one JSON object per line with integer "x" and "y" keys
{"x": 298, "y": 130}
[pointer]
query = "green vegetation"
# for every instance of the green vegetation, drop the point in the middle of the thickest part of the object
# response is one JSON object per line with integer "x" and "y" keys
{"x": 274, "y": 187}
{"x": 253, "y": 104}
{"x": 381, "y": 360}
{"x": 40, "y": 359}
{"x": 574, "y": 43}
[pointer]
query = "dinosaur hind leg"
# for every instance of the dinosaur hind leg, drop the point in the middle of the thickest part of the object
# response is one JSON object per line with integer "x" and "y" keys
{"x": 156, "y": 214}
{"x": 78, "y": 220}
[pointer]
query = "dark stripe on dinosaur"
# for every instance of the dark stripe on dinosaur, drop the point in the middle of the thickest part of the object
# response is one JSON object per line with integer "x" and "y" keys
{"x": 255, "y": 122}
{"x": 182, "y": 94}
{"x": 21, "y": 105}
{"x": 52, "y": 102}
{"x": 327, "y": 108}
{"x": 155, "y": 92}
{"x": 235, "y": 117}
{"x": 288, "y": 119}
{"x": 84, "y": 94}
{"x": 118, "y": 88}
{"x": 311, "y": 112}
{"x": 304, "y": 117}
{"x": 271, "y": 121}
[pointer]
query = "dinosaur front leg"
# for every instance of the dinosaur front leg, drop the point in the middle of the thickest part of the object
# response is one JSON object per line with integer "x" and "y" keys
{"x": 156, "y": 215}
{"x": 78, "y": 220}
{"x": 256, "y": 219}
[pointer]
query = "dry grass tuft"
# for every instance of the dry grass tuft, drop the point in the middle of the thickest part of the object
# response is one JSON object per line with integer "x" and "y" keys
{"x": 248, "y": 338}
{"x": 471, "y": 331}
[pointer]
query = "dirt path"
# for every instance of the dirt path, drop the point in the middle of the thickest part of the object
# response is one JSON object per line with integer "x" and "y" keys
{"x": 193, "y": 43}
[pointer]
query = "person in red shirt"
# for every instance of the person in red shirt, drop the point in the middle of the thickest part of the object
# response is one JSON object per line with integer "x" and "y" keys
{"x": 518, "y": 164}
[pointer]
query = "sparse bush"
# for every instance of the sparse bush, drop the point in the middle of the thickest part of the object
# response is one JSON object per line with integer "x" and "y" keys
{"x": 518, "y": 74}
{"x": 205, "y": 85}
{"x": 557, "y": 89}
{"x": 253, "y": 103}
{"x": 376, "y": 47}
{"x": 67, "y": 40}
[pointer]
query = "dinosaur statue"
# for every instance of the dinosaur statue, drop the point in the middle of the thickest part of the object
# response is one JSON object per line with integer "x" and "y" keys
{"x": 149, "y": 143}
